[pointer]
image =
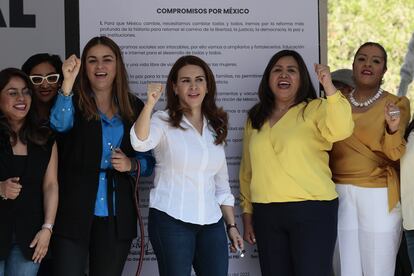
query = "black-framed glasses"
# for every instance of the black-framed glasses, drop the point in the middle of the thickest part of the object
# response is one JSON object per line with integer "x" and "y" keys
{"x": 51, "y": 79}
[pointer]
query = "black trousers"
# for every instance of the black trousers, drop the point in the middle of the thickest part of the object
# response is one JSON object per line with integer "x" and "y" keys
{"x": 107, "y": 254}
{"x": 296, "y": 238}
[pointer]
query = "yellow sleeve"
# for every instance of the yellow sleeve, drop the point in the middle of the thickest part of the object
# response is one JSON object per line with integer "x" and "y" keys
{"x": 337, "y": 124}
{"x": 245, "y": 174}
{"x": 394, "y": 144}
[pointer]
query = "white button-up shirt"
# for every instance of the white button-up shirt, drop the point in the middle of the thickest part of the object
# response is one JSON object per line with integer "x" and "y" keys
{"x": 191, "y": 178}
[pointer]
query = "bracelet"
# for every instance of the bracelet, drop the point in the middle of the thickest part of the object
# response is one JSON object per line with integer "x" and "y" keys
{"x": 231, "y": 225}
{"x": 60, "y": 91}
{"x": 48, "y": 226}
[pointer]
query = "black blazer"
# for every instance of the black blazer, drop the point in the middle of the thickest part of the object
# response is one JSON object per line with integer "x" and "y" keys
{"x": 80, "y": 152}
{"x": 24, "y": 215}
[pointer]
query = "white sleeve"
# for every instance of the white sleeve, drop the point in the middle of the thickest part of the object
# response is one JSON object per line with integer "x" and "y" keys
{"x": 223, "y": 191}
{"x": 158, "y": 126}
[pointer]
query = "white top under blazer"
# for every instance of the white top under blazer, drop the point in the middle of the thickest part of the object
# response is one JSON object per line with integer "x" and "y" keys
{"x": 191, "y": 178}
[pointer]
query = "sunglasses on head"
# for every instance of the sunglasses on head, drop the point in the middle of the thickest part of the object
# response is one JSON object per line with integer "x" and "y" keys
{"x": 51, "y": 79}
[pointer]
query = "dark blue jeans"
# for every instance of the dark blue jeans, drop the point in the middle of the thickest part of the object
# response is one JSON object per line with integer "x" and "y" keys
{"x": 178, "y": 245}
{"x": 16, "y": 264}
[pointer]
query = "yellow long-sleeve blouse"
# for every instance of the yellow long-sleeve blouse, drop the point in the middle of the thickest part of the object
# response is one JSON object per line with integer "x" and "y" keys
{"x": 289, "y": 161}
{"x": 350, "y": 166}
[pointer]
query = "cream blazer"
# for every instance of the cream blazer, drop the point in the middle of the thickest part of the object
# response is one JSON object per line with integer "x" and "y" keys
{"x": 407, "y": 184}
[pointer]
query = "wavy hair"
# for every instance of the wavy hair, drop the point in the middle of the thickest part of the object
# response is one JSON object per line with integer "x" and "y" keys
{"x": 262, "y": 111}
{"x": 217, "y": 117}
{"x": 31, "y": 130}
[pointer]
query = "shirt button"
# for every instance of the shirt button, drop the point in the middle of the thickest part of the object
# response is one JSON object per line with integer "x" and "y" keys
{"x": 103, "y": 178}
{"x": 102, "y": 198}
{"x": 63, "y": 109}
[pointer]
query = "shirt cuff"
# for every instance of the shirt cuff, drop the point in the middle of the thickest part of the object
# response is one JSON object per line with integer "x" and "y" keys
{"x": 226, "y": 199}
{"x": 393, "y": 139}
{"x": 246, "y": 207}
{"x": 60, "y": 92}
{"x": 137, "y": 144}
{"x": 335, "y": 97}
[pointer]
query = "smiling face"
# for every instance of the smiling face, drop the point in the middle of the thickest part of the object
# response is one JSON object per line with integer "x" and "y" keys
{"x": 45, "y": 91}
{"x": 101, "y": 67}
{"x": 15, "y": 99}
{"x": 284, "y": 79}
{"x": 191, "y": 86}
{"x": 369, "y": 66}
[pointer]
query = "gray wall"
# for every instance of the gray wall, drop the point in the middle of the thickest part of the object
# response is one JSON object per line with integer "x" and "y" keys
{"x": 32, "y": 26}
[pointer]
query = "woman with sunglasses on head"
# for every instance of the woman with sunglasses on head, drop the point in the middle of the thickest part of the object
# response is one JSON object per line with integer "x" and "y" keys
{"x": 28, "y": 179}
{"x": 45, "y": 72}
{"x": 96, "y": 215}
{"x": 191, "y": 198}
{"x": 365, "y": 168}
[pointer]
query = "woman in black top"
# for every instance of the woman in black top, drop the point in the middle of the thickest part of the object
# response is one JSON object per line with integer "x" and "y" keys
{"x": 28, "y": 179}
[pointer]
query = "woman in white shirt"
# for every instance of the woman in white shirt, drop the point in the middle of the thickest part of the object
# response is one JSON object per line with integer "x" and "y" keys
{"x": 191, "y": 191}
{"x": 407, "y": 190}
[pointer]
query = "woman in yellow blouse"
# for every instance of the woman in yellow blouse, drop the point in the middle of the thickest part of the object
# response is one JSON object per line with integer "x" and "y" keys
{"x": 365, "y": 168}
{"x": 287, "y": 195}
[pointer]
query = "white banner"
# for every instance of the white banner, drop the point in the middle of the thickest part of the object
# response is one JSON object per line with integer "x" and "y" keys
{"x": 236, "y": 38}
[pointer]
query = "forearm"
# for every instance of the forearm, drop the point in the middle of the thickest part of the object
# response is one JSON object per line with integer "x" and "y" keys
{"x": 142, "y": 124}
{"x": 228, "y": 214}
{"x": 50, "y": 202}
{"x": 67, "y": 87}
{"x": 330, "y": 89}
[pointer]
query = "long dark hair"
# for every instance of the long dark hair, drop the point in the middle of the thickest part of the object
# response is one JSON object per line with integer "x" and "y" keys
{"x": 31, "y": 130}
{"x": 261, "y": 112}
{"x": 217, "y": 117}
{"x": 121, "y": 96}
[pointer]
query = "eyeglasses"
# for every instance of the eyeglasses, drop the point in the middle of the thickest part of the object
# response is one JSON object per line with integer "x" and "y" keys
{"x": 51, "y": 79}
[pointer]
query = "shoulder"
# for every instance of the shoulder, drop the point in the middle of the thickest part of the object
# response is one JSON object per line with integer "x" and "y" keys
{"x": 400, "y": 101}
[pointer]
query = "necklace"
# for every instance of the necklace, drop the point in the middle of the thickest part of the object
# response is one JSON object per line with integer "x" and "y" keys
{"x": 367, "y": 102}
